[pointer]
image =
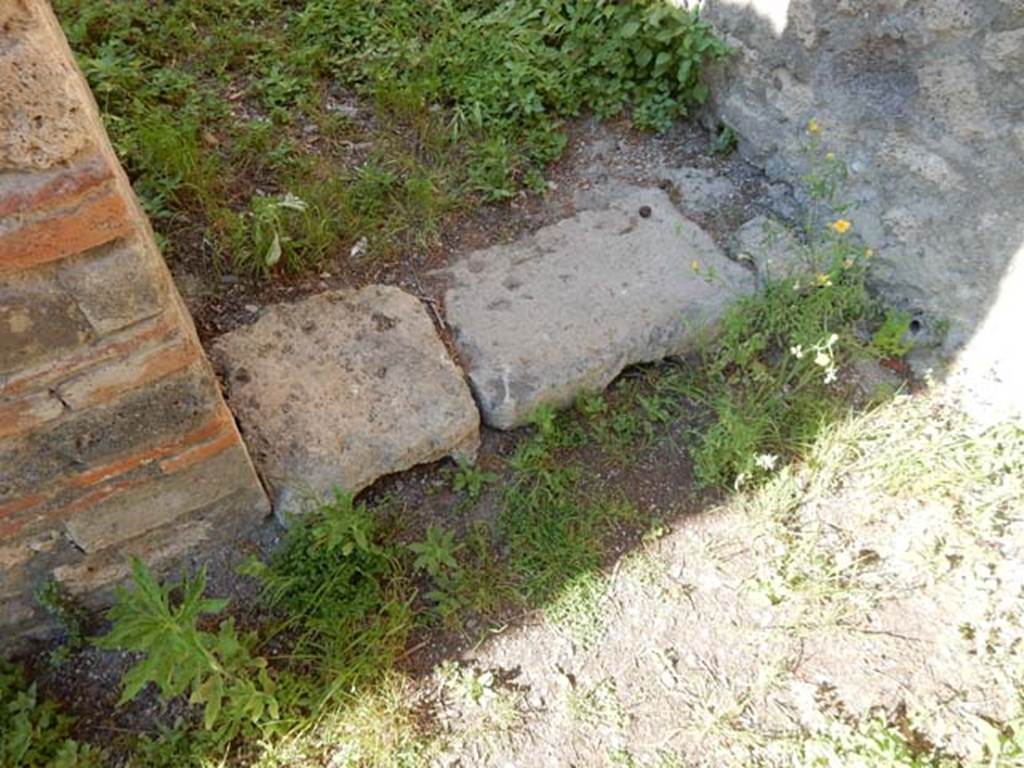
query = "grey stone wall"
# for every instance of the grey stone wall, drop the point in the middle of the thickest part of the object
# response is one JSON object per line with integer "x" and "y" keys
{"x": 925, "y": 100}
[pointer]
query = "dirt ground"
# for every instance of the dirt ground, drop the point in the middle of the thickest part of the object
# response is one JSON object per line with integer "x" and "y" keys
{"x": 850, "y": 599}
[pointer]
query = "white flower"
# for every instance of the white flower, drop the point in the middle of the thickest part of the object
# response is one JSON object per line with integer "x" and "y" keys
{"x": 766, "y": 461}
{"x": 830, "y": 374}
{"x": 822, "y": 359}
{"x": 797, "y": 351}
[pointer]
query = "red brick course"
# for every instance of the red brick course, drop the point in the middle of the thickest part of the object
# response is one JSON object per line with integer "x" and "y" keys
{"x": 29, "y": 193}
{"x": 76, "y": 493}
{"x": 160, "y": 329}
{"x": 99, "y": 218}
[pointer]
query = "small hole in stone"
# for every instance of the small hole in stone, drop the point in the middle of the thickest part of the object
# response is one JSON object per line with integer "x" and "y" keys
{"x": 645, "y": 211}
{"x": 916, "y": 326}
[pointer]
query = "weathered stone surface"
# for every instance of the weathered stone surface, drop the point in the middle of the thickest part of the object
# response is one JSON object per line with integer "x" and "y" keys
{"x": 700, "y": 190}
{"x": 770, "y": 246}
{"x": 105, "y": 383}
{"x": 113, "y": 285}
{"x": 102, "y": 217}
{"x": 130, "y": 512}
{"x": 343, "y": 388}
{"x": 565, "y": 310}
{"x": 27, "y": 413}
{"x": 41, "y": 118}
{"x": 27, "y": 191}
{"x": 148, "y": 416}
{"x": 39, "y": 321}
{"x": 925, "y": 101}
{"x": 164, "y": 549}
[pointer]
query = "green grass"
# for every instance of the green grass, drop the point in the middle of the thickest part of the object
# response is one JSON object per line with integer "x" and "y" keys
{"x": 221, "y": 110}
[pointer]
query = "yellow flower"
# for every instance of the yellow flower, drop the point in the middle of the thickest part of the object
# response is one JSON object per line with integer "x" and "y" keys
{"x": 868, "y": 253}
{"x": 830, "y": 156}
{"x": 812, "y": 126}
{"x": 841, "y": 226}
{"x": 695, "y": 265}
{"x": 848, "y": 264}
{"x": 824, "y": 280}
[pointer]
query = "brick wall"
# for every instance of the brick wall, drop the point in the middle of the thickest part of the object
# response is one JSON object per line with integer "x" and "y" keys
{"x": 114, "y": 438}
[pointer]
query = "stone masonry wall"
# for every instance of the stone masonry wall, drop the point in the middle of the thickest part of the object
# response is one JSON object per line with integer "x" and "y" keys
{"x": 925, "y": 100}
{"x": 114, "y": 438}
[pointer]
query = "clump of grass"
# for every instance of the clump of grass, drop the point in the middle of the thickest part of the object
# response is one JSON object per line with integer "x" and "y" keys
{"x": 579, "y": 610}
{"x": 210, "y": 104}
{"x": 872, "y": 741}
{"x": 343, "y": 591}
{"x": 597, "y": 706}
{"x": 890, "y": 340}
{"x": 344, "y": 601}
{"x": 777, "y": 372}
{"x": 219, "y": 670}
{"x": 557, "y": 533}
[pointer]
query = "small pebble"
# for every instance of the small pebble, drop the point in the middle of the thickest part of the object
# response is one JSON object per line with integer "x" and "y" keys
{"x": 359, "y": 248}
{"x": 252, "y": 308}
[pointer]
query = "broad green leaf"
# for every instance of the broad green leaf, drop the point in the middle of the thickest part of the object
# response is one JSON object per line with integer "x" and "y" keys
{"x": 683, "y": 73}
{"x": 273, "y": 252}
{"x": 629, "y": 29}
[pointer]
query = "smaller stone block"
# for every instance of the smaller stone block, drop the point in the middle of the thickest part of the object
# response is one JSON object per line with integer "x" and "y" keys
{"x": 39, "y": 321}
{"x": 102, "y": 217}
{"x": 343, "y": 388}
{"x": 568, "y": 308}
{"x": 24, "y": 414}
{"x": 115, "y": 285}
{"x": 134, "y": 423}
{"x": 128, "y": 512}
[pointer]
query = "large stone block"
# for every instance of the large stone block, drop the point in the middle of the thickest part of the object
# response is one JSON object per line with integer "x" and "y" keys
{"x": 343, "y": 388}
{"x": 42, "y": 121}
{"x": 566, "y": 309}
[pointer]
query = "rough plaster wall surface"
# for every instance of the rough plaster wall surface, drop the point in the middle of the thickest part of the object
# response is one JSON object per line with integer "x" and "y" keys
{"x": 114, "y": 437}
{"x": 925, "y": 100}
